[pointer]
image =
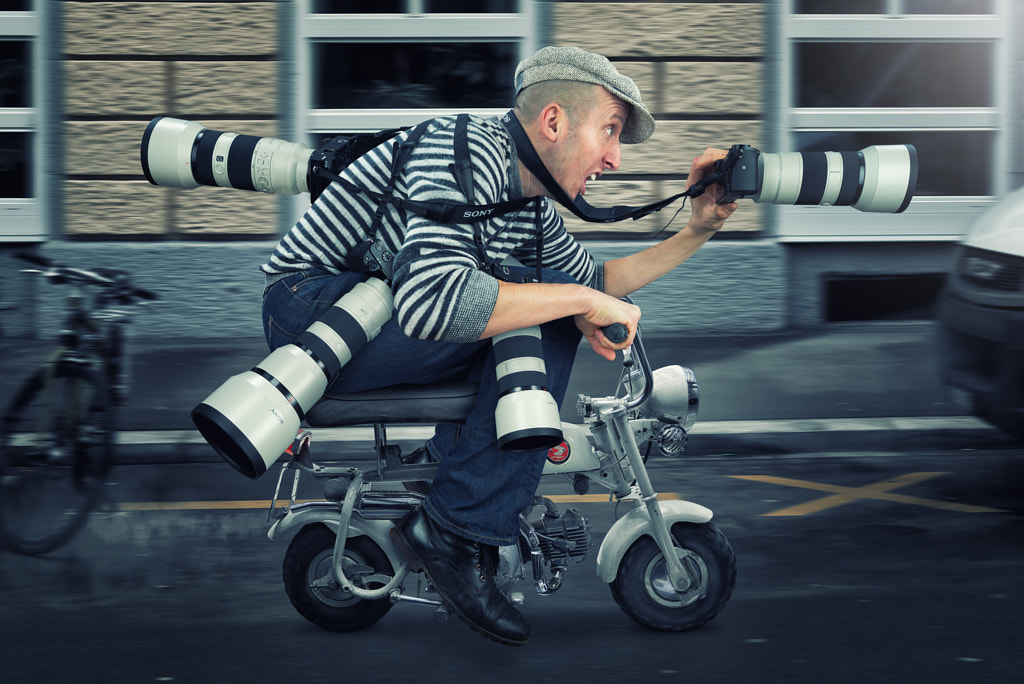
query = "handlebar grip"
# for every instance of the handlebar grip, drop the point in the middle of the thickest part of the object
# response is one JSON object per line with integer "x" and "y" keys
{"x": 616, "y": 332}
{"x": 37, "y": 259}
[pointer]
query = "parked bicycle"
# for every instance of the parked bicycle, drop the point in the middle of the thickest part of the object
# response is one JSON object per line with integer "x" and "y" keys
{"x": 57, "y": 434}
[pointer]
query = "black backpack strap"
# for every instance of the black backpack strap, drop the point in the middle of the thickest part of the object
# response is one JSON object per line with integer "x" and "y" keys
{"x": 439, "y": 212}
{"x": 462, "y": 169}
{"x": 401, "y": 151}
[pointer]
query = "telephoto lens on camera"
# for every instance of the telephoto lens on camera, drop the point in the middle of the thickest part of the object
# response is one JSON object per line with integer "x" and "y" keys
{"x": 879, "y": 178}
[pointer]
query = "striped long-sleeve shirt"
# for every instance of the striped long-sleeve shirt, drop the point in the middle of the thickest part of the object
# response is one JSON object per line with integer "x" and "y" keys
{"x": 440, "y": 291}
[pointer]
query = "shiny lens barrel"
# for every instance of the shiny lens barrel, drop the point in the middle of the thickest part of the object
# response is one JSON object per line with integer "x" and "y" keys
{"x": 185, "y": 154}
{"x": 880, "y": 178}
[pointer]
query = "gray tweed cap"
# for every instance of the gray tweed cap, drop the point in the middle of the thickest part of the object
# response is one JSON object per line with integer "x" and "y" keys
{"x": 574, "y": 64}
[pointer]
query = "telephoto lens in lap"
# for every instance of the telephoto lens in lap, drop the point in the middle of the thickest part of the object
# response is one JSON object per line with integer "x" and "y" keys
{"x": 526, "y": 415}
{"x": 253, "y": 417}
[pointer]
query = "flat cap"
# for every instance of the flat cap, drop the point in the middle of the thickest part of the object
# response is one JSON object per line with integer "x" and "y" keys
{"x": 574, "y": 64}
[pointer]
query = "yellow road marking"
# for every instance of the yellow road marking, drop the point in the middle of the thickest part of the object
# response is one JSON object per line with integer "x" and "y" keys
{"x": 195, "y": 505}
{"x": 879, "y": 490}
{"x": 256, "y": 503}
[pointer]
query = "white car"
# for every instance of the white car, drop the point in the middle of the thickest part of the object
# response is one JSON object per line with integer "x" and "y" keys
{"x": 981, "y": 316}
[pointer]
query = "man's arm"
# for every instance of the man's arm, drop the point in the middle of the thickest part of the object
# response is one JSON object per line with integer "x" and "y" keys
{"x": 520, "y": 305}
{"x": 628, "y": 274}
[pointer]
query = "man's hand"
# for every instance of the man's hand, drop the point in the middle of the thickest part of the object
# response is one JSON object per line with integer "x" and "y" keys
{"x": 604, "y": 311}
{"x": 706, "y": 214}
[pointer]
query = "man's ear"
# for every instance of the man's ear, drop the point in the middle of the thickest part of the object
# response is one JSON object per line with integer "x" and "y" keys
{"x": 554, "y": 122}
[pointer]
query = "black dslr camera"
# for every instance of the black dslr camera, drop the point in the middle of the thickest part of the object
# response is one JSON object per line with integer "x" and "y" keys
{"x": 738, "y": 173}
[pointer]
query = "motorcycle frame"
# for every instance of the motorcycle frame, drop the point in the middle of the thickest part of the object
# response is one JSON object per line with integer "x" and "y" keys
{"x": 620, "y": 469}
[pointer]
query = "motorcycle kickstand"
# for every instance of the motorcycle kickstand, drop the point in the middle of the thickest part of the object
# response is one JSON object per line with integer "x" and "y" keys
{"x": 441, "y": 612}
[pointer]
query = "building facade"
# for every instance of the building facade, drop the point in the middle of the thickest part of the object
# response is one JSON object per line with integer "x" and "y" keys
{"x": 81, "y": 79}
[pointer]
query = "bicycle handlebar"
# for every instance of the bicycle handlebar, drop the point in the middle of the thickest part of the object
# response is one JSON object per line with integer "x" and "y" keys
{"x": 105, "y": 277}
{"x": 36, "y": 259}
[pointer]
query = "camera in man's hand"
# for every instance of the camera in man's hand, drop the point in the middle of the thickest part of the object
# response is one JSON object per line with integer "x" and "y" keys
{"x": 880, "y": 178}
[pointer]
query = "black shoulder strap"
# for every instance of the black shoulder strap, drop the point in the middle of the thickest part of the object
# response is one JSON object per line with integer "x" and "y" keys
{"x": 440, "y": 212}
{"x": 401, "y": 151}
{"x": 462, "y": 169}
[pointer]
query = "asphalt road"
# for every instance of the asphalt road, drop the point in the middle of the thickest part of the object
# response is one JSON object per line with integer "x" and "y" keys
{"x": 852, "y": 567}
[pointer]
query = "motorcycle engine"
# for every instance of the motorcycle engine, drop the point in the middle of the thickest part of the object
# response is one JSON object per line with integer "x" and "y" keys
{"x": 562, "y": 538}
{"x": 559, "y": 537}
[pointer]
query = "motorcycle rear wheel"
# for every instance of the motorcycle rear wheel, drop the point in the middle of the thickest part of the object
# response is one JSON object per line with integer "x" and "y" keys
{"x": 643, "y": 591}
{"x": 309, "y": 557}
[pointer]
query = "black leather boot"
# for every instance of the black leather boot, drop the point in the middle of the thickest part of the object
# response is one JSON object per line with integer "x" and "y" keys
{"x": 462, "y": 573}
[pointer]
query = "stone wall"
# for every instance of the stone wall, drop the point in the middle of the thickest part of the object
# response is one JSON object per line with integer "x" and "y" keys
{"x": 125, "y": 63}
{"x": 214, "y": 291}
{"x": 217, "y": 63}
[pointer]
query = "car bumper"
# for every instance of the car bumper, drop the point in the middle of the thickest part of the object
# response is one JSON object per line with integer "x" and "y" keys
{"x": 982, "y": 352}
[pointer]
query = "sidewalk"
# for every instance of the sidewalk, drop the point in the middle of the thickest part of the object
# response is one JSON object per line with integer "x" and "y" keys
{"x": 871, "y": 387}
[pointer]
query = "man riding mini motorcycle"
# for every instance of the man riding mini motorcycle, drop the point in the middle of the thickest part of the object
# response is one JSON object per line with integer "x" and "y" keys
{"x": 452, "y": 295}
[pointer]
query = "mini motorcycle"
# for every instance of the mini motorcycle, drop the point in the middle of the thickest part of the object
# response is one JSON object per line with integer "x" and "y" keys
{"x": 668, "y": 566}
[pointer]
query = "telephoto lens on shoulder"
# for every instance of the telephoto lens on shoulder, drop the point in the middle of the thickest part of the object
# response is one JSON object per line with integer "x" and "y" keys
{"x": 185, "y": 154}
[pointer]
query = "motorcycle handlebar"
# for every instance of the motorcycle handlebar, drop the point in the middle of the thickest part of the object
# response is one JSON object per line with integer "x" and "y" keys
{"x": 617, "y": 333}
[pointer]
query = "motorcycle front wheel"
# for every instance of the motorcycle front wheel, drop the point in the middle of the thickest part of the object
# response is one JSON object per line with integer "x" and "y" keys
{"x": 308, "y": 559}
{"x": 643, "y": 591}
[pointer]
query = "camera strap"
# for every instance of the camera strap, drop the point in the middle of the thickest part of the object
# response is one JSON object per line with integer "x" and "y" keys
{"x": 531, "y": 160}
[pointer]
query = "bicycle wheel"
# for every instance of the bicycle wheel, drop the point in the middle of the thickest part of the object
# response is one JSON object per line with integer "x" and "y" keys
{"x": 55, "y": 441}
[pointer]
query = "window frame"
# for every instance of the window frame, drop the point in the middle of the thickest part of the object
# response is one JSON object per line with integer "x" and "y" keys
{"x": 412, "y": 26}
{"x": 942, "y": 218}
{"x": 25, "y": 219}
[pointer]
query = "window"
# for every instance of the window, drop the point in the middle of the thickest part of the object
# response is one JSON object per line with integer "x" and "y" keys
{"x": 890, "y": 7}
{"x": 937, "y": 78}
{"x": 372, "y": 64}
{"x": 413, "y": 6}
{"x": 20, "y": 182}
{"x": 407, "y": 75}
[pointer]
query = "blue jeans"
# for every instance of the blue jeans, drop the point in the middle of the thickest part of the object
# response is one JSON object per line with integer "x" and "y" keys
{"x": 479, "y": 490}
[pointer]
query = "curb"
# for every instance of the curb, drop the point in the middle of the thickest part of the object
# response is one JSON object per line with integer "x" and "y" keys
{"x": 712, "y": 438}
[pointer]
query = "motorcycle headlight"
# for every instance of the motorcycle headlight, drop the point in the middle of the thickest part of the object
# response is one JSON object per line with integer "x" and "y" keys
{"x": 671, "y": 440}
{"x": 674, "y": 398}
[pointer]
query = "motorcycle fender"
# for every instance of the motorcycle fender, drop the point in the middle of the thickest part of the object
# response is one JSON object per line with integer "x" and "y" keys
{"x": 636, "y": 524}
{"x": 327, "y": 512}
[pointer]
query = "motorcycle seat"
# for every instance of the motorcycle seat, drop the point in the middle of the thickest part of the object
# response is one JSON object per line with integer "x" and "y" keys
{"x": 448, "y": 402}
